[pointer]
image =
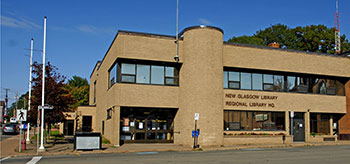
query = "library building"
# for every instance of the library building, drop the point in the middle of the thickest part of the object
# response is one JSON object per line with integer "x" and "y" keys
{"x": 233, "y": 93}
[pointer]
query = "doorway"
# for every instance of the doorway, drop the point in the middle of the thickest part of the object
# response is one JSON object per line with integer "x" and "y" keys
{"x": 87, "y": 122}
{"x": 69, "y": 127}
{"x": 299, "y": 127}
{"x": 147, "y": 125}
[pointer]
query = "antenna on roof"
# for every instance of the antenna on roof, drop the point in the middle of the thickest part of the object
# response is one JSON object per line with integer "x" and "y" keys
{"x": 337, "y": 30}
{"x": 177, "y": 33}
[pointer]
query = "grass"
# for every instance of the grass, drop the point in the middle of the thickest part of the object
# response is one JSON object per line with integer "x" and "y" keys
{"x": 105, "y": 141}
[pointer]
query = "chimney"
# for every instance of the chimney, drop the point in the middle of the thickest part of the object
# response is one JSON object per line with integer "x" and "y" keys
{"x": 274, "y": 45}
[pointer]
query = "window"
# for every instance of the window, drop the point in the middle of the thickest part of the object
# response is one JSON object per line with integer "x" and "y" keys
{"x": 171, "y": 76}
{"x": 319, "y": 123}
{"x": 253, "y": 121}
{"x": 225, "y": 79}
{"x": 246, "y": 80}
{"x": 257, "y": 81}
{"x": 109, "y": 113}
{"x": 278, "y": 83}
{"x": 94, "y": 91}
{"x": 268, "y": 82}
{"x": 112, "y": 73}
{"x": 143, "y": 74}
{"x": 128, "y": 73}
{"x": 234, "y": 80}
{"x": 282, "y": 82}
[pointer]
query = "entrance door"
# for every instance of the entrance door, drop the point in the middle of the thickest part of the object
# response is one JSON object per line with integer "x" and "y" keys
{"x": 144, "y": 125}
{"x": 69, "y": 127}
{"x": 299, "y": 127}
{"x": 87, "y": 122}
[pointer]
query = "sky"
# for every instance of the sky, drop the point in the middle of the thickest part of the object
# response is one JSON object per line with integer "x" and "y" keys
{"x": 80, "y": 32}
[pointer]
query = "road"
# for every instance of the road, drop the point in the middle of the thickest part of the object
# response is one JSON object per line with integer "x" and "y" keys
{"x": 300, "y": 155}
{"x": 4, "y": 137}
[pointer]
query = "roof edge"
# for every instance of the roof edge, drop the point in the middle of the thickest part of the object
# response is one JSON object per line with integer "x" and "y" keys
{"x": 280, "y": 49}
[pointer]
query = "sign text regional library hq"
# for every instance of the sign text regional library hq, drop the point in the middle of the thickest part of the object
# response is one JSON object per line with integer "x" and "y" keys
{"x": 244, "y": 94}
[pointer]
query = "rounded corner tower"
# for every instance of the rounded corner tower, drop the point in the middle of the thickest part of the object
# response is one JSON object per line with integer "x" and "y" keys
{"x": 201, "y": 86}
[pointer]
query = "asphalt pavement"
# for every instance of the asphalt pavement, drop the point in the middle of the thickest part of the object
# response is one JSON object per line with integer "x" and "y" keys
{"x": 288, "y": 155}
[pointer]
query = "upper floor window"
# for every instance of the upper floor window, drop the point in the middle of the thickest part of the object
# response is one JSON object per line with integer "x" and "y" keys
{"x": 282, "y": 82}
{"x": 112, "y": 73}
{"x": 157, "y": 73}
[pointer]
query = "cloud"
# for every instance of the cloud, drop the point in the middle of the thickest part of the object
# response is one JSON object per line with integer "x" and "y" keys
{"x": 18, "y": 23}
{"x": 204, "y": 21}
{"x": 94, "y": 30}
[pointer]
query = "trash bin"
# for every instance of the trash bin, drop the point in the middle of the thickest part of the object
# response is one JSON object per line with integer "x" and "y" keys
{"x": 87, "y": 141}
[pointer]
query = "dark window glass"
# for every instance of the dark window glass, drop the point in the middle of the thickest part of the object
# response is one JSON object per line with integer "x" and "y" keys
{"x": 157, "y": 75}
{"x": 143, "y": 74}
{"x": 319, "y": 124}
{"x": 254, "y": 121}
{"x": 257, "y": 81}
{"x": 246, "y": 80}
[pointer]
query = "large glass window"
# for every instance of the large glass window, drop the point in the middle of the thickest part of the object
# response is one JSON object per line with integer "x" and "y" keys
{"x": 143, "y": 74}
{"x": 148, "y": 74}
{"x": 253, "y": 120}
{"x": 157, "y": 75}
{"x": 319, "y": 123}
{"x": 283, "y": 82}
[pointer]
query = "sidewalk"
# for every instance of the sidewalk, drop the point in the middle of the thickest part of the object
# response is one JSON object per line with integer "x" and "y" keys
{"x": 65, "y": 147}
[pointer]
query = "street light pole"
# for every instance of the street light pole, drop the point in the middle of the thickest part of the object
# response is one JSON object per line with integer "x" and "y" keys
{"x": 42, "y": 148}
{"x": 30, "y": 84}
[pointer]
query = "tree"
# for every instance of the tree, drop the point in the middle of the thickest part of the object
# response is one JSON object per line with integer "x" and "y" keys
{"x": 79, "y": 90}
{"x": 312, "y": 38}
{"x": 55, "y": 94}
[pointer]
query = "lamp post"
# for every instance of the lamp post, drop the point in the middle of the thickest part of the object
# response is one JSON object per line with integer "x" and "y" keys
{"x": 42, "y": 148}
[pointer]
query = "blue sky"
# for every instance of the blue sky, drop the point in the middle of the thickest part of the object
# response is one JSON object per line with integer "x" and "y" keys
{"x": 79, "y": 32}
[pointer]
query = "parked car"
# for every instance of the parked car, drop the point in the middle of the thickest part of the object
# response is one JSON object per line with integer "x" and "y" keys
{"x": 10, "y": 128}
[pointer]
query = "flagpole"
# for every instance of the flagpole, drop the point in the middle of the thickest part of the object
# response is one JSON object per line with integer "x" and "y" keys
{"x": 42, "y": 148}
{"x": 30, "y": 84}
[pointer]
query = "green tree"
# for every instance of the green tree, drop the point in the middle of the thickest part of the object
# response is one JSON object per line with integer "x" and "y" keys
{"x": 79, "y": 90}
{"x": 311, "y": 38}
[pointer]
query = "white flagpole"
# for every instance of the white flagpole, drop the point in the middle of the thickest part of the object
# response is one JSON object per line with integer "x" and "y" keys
{"x": 42, "y": 148}
{"x": 30, "y": 85}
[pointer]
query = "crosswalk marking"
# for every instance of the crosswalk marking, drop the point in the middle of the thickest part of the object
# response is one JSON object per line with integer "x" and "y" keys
{"x": 34, "y": 160}
{"x": 3, "y": 159}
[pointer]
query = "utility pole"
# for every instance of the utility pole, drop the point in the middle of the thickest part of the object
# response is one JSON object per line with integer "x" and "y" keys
{"x": 30, "y": 85}
{"x": 6, "y": 101}
{"x": 337, "y": 30}
{"x": 14, "y": 111}
{"x": 42, "y": 148}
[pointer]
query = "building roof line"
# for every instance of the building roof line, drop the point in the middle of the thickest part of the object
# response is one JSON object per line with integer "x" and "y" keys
{"x": 280, "y": 49}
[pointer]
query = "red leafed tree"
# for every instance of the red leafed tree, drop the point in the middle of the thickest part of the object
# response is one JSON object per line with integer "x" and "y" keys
{"x": 55, "y": 94}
